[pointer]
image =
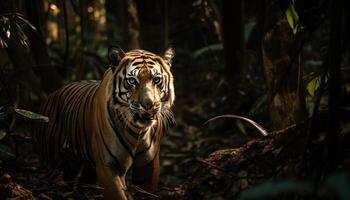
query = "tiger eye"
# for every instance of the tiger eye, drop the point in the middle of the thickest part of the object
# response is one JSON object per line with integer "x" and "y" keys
{"x": 157, "y": 80}
{"x": 131, "y": 81}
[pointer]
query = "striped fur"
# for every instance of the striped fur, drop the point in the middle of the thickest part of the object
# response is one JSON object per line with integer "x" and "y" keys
{"x": 115, "y": 124}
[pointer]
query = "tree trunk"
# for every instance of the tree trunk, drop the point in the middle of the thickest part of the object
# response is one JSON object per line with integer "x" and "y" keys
{"x": 50, "y": 78}
{"x": 233, "y": 32}
{"x": 151, "y": 17}
{"x": 256, "y": 36}
{"x": 283, "y": 74}
{"x": 335, "y": 55}
{"x": 123, "y": 24}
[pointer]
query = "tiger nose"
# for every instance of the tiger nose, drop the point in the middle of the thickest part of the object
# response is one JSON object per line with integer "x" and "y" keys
{"x": 147, "y": 104}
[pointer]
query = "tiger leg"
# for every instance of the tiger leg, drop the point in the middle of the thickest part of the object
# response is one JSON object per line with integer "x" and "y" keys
{"x": 147, "y": 176}
{"x": 113, "y": 184}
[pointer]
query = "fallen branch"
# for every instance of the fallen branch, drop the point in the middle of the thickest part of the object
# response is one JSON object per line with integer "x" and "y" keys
{"x": 256, "y": 125}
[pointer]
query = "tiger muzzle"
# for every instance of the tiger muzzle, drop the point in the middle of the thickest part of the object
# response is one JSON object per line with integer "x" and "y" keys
{"x": 145, "y": 117}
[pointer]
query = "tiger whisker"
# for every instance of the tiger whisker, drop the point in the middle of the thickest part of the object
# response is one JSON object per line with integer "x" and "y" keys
{"x": 167, "y": 117}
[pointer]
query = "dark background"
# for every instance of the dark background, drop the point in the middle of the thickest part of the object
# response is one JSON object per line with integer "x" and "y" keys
{"x": 284, "y": 64}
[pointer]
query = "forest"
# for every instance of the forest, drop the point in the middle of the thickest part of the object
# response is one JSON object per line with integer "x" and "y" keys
{"x": 262, "y": 107}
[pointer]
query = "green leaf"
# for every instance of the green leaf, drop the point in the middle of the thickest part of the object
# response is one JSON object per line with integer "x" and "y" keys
{"x": 22, "y": 36}
{"x": 345, "y": 129}
{"x": 21, "y": 18}
{"x": 2, "y": 43}
{"x": 212, "y": 47}
{"x": 313, "y": 85}
{"x": 8, "y": 33}
{"x": 292, "y": 18}
{"x": 2, "y": 134}
{"x": 276, "y": 152}
{"x": 5, "y": 150}
{"x": 32, "y": 115}
{"x": 241, "y": 127}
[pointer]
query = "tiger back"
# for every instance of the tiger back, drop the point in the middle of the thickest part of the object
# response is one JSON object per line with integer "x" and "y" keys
{"x": 113, "y": 125}
{"x": 70, "y": 104}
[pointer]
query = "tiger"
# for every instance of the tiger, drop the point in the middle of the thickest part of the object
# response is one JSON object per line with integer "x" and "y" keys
{"x": 115, "y": 124}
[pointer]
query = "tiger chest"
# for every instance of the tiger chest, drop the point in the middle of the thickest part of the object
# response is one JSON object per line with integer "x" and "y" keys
{"x": 146, "y": 149}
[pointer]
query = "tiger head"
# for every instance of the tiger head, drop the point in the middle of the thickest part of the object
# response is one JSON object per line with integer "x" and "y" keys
{"x": 143, "y": 86}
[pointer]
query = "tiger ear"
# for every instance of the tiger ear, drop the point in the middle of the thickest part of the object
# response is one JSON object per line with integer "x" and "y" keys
{"x": 168, "y": 56}
{"x": 115, "y": 55}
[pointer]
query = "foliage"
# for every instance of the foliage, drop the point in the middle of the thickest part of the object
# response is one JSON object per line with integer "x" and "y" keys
{"x": 293, "y": 18}
{"x": 5, "y": 129}
{"x": 206, "y": 49}
{"x": 12, "y": 25}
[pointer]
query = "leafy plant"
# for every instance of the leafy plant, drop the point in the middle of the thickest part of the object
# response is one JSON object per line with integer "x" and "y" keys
{"x": 24, "y": 113}
{"x": 12, "y": 25}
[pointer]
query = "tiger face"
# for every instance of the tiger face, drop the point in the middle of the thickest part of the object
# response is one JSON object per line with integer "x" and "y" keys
{"x": 143, "y": 86}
